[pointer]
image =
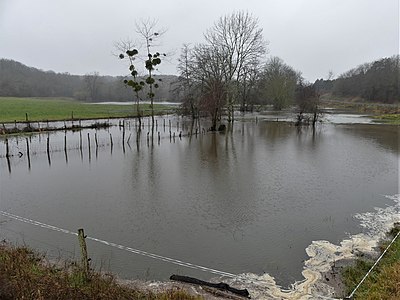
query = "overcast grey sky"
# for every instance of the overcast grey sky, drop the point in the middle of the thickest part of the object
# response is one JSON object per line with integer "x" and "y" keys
{"x": 312, "y": 36}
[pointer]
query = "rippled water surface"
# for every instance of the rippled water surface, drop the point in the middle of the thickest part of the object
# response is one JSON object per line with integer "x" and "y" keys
{"x": 248, "y": 200}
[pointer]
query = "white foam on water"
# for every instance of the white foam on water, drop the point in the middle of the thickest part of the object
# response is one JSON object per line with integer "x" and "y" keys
{"x": 322, "y": 256}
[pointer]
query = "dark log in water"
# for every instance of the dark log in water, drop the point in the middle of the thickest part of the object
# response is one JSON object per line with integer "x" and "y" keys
{"x": 221, "y": 286}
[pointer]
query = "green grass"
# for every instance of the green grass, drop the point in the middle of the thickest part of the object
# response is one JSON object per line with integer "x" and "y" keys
{"x": 52, "y": 109}
{"x": 24, "y": 275}
{"x": 389, "y": 118}
{"x": 384, "y": 280}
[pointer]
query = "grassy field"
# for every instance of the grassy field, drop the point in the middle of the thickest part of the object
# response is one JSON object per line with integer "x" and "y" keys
{"x": 25, "y": 275}
{"x": 383, "y": 282}
{"x": 42, "y": 109}
{"x": 359, "y": 105}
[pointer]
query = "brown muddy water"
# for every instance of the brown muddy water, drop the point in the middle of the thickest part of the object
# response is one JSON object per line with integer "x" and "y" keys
{"x": 250, "y": 200}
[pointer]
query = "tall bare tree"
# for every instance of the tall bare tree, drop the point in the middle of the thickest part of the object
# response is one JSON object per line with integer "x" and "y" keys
{"x": 238, "y": 41}
{"x": 187, "y": 81}
{"x": 210, "y": 77}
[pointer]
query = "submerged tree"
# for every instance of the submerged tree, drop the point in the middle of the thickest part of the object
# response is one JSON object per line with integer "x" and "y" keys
{"x": 188, "y": 86}
{"x": 218, "y": 74}
{"x": 307, "y": 101}
{"x": 210, "y": 78}
{"x": 238, "y": 42}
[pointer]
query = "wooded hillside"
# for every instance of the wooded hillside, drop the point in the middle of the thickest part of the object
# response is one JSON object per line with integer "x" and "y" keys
{"x": 377, "y": 81}
{"x": 19, "y": 80}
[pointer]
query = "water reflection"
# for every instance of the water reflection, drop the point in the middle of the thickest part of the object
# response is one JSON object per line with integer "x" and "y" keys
{"x": 259, "y": 193}
{"x": 386, "y": 136}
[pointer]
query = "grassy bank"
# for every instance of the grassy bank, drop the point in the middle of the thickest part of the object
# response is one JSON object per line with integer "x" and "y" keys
{"x": 393, "y": 119}
{"x": 384, "y": 280}
{"x": 42, "y": 109}
{"x": 362, "y": 107}
{"x": 388, "y": 113}
{"x": 25, "y": 275}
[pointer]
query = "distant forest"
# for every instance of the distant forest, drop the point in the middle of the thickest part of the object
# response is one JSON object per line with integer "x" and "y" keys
{"x": 377, "y": 81}
{"x": 19, "y": 80}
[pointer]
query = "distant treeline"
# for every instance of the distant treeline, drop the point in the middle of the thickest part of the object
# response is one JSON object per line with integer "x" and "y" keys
{"x": 377, "y": 81}
{"x": 19, "y": 80}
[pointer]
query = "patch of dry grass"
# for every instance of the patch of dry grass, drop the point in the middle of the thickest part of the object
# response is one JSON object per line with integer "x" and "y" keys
{"x": 24, "y": 275}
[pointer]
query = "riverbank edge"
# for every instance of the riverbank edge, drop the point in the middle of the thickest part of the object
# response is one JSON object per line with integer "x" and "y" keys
{"x": 343, "y": 276}
{"x": 382, "y": 282}
{"x": 26, "y": 274}
{"x": 380, "y": 112}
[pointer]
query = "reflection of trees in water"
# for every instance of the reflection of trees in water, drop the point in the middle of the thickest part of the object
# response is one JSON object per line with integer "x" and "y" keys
{"x": 309, "y": 137}
{"x": 227, "y": 200}
{"x": 386, "y": 136}
{"x": 274, "y": 131}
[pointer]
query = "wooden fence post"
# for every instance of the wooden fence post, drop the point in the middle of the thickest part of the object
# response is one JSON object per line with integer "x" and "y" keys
{"x": 48, "y": 145}
{"x": 7, "y": 148}
{"x": 28, "y": 153}
{"x": 95, "y": 139}
{"x": 88, "y": 139}
{"x": 85, "y": 259}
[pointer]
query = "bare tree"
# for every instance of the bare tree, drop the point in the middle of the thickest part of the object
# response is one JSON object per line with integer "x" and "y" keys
{"x": 331, "y": 75}
{"x": 238, "y": 41}
{"x": 248, "y": 85}
{"x": 308, "y": 102}
{"x": 224, "y": 69}
{"x": 209, "y": 75}
{"x": 187, "y": 81}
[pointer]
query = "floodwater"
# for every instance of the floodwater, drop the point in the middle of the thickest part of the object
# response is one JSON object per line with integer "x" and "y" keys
{"x": 250, "y": 200}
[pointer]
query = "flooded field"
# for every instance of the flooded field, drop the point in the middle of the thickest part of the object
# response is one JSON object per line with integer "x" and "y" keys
{"x": 249, "y": 200}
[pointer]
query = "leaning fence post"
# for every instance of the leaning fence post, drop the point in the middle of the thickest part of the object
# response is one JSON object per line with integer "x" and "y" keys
{"x": 111, "y": 140}
{"x": 85, "y": 259}
{"x": 7, "y": 148}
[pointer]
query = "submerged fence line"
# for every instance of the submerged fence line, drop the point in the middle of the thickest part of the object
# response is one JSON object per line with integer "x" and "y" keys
{"x": 65, "y": 145}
